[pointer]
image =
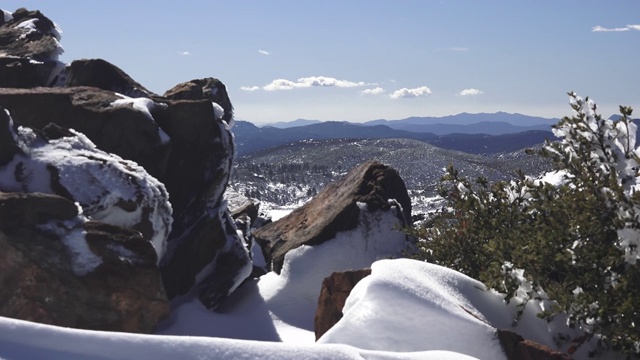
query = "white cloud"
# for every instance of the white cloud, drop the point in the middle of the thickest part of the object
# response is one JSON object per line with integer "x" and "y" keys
{"x": 250, "y": 88}
{"x": 184, "y": 53}
{"x": 280, "y": 84}
{"x": 264, "y": 52}
{"x": 313, "y": 81}
{"x": 410, "y": 93}
{"x": 470, "y": 92}
{"x": 374, "y": 91}
{"x": 599, "y": 28}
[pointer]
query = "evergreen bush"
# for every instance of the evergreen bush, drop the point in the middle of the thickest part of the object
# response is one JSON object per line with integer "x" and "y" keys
{"x": 571, "y": 235}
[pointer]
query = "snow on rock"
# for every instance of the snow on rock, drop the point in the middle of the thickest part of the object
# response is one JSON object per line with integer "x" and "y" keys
{"x": 30, "y": 49}
{"x": 146, "y": 106}
{"x": 367, "y": 188}
{"x": 107, "y": 187}
{"x": 305, "y": 268}
{"x": 405, "y": 302}
{"x": 57, "y": 267}
{"x": 286, "y": 303}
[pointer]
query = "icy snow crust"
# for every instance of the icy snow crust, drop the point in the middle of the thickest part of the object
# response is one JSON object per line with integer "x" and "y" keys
{"x": 113, "y": 181}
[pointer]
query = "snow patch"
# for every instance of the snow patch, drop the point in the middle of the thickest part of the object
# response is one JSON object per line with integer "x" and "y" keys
{"x": 83, "y": 260}
{"x": 218, "y": 111}
{"x": 28, "y": 27}
{"x": 7, "y": 16}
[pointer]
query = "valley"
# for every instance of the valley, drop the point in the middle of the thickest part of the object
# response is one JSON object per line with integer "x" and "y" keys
{"x": 293, "y": 173}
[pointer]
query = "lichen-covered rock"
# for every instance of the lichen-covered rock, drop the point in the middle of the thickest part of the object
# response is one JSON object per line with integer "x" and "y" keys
{"x": 58, "y": 268}
{"x": 336, "y": 209}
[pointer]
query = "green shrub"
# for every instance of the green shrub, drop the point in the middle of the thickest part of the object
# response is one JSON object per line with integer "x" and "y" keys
{"x": 571, "y": 235}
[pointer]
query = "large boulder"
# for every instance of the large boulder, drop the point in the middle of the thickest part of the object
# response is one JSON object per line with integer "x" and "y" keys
{"x": 370, "y": 187}
{"x": 29, "y": 49}
{"x": 185, "y": 145}
{"x": 58, "y": 268}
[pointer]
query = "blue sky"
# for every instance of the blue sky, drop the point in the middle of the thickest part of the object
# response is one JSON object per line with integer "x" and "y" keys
{"x": 351, "y": 60}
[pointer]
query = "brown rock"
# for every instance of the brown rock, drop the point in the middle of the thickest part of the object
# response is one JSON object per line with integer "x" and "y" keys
{"x": 517, "y": 348}
{"x": 203, "y": 89}
{"x": 43, "y": 279}
{"x": 334, "y": 210}
{"x": 333, "y": 295}
{"x": 104, "y": 75}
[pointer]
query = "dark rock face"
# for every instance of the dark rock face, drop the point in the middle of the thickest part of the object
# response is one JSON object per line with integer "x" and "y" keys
{"x": 121, "y": 129}
{"x": 57, "y": 268}
{"x": 29, "y": 44}
{"x": 333, "y": 295}
{"x": 103, "y": 75}
{"x": 517, "y": 348}
{"x": 335, "y": 209}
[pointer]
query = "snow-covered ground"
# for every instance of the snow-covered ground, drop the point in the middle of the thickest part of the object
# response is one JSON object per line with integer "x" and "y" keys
{"x": 406, "y": 309}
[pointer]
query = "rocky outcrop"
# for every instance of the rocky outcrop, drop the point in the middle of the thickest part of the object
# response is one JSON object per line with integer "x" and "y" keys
{"x": 370, "y": 187}
{"x": 333, "y": 295}
{"x": 58, "y": 268}
{"x": 517, "y": 348}
{"x": 183, "y": 140}
{"x": 29, "y": 50}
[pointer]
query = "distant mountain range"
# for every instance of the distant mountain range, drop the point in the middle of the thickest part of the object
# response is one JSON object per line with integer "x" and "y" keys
{"x": 468, "y": 119}
{"x": 483, "y": 137}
